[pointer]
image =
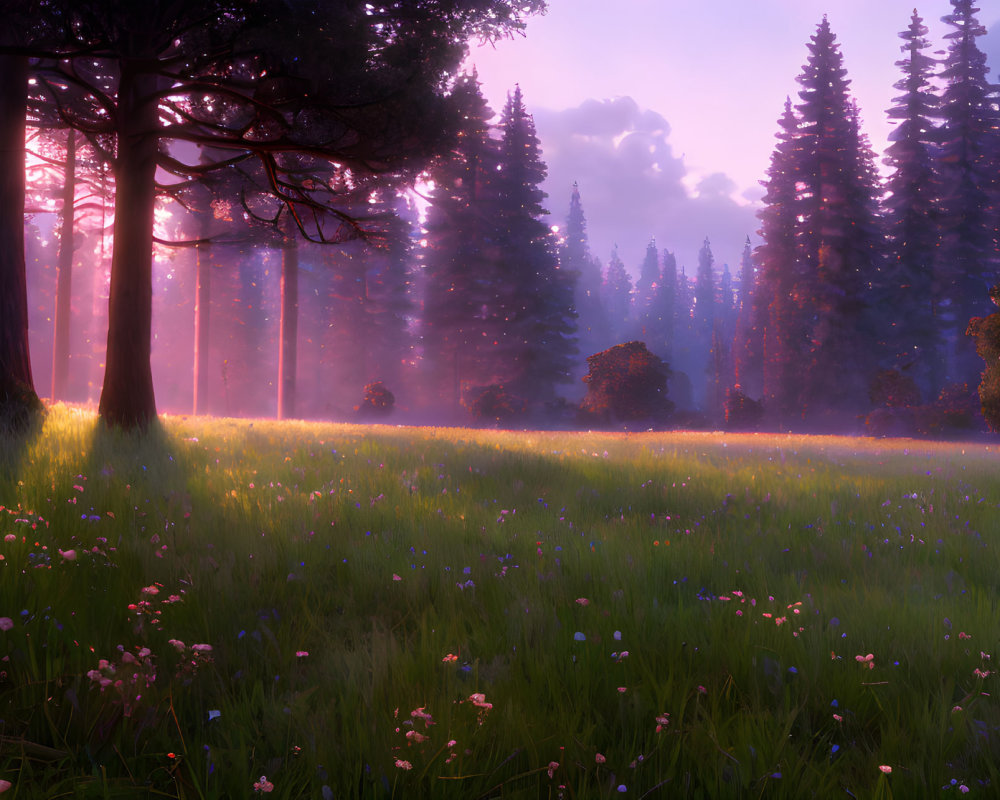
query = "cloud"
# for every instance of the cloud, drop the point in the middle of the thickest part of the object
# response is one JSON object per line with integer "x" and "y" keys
{"x": 634, "y": 187}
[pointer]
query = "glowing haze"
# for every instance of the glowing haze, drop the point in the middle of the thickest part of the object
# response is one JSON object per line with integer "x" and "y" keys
{"x": 665, "y": 111}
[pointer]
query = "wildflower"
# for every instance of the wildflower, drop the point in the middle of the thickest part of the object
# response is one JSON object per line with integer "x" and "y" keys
{"x": 582, "y": 601}
{"x": 838, "y": 717}
{"x": 886, "y": 769}
{"x": 395, "y": 577}
{"x": 416, "y": 736}
{"x": 401, "y": 764}
{"x": 301, "y": 653}
{"x": 450, "y": 658}
{"x": 263, "y": 786}
{"x": 5, "y": 785}
{"x": 421, "y": 713}
{"x": 451, "y": 743}
{"x": 622, "y": 689}
{"x": 579, "y": 636}
{"x": 150, "y": 590}
{"x": 662, "y": 721}
{"x": 963, "y": 788}
{"x": 177, "y": 644}
{"x": 599, "y": 759}
{"x": 622, "y": 788}
{"x": 10, "y": 537}
{"x": 68, "y": 555}
{"x": 6, "y": 623}
{"x": 702, "y": 690}
{"x": 553, "y": 766}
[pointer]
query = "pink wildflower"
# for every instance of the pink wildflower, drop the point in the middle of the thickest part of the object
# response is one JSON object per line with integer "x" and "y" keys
{"x": 6, "y": 623}
{"x": 263, "y": 786}
{"x": 401, "y": 764}
{"x": 886, "y": 769}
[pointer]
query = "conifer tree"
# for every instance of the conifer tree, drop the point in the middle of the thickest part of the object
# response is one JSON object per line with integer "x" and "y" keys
{"x": 912, "y": 220}
{"x": 460, "y": 254}
{"x": 840, "y": 238}
{"x": 968, "y": 259}
{"x": 748, "y": 342}
{"x": 575, "y": 257}
{"x": 535, "y": 297}
{"x": 704, "y": 324}
{"x": 784, "y": 333}
{"x": 645, "y": 285}
{"x": 665, "y": 309}
{"x": 617, "y": 292}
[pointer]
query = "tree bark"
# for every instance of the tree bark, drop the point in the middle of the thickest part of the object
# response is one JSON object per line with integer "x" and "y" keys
{"x": 16, "y": 384}
{"x": 127, "y": 399}
{"x": 288, "y": 330}
{"x": 64, "y": 281}
{"x": 202, "y": 305}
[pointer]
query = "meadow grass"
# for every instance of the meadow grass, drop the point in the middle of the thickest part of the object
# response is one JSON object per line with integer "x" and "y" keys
{"x": 371, "y": 611}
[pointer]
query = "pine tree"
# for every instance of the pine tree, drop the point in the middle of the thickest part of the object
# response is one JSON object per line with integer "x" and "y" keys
{"x": 645, "y": 285}
{"x": 912, "y": 220}
{"x": 822, "y": 250}
{"x": 664, "y": 310}
{"x": 617, "y": 293}
{"x": 575, "y": 257}
{"x": 460, "y": 254}
{"x": 784, "y": 333}
{"x": 535, "y": 309}
{"x": 748, "y": 339}
{"x": 968, "y": 259}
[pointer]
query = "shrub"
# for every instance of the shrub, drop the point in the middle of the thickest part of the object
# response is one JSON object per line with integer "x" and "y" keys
{"x": 377, "y": 402}
{"x": 626, "y": 383}
{"x": 986, "y": 332}
{"x": 493, "y": 403}
{"x": 743, "y": 413}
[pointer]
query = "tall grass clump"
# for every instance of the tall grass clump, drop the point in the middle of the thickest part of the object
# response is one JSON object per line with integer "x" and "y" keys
{"x": 225, "y": 609}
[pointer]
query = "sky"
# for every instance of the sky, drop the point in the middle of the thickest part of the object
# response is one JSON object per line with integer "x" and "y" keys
{"x": 665, "y": 111}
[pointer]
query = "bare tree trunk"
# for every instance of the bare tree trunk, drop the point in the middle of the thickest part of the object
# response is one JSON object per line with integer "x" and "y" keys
{"x": 202, "y": 315}
{"x": 17, "y": 389}
{"x": 127, "y": 398}
{"x": 64, "y": 282}
{"x": 288, "y": 331}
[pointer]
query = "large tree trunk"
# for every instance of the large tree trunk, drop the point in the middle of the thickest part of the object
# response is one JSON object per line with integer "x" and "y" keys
{"x": 288, "y": 331}
{"x": 127, "y": 399}
{"x": 64, "y": 282}
{"x": 202, "y": 305}
{"x": 17, "y": 389}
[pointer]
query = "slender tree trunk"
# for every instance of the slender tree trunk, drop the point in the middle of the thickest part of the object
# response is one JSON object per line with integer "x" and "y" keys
{"x": 16, "y": 384}
{"x": 288, "y": 332}
{"x": 202, "y": 315}
{"x": 127, "y": 398}
{"x": 64, "y": 282}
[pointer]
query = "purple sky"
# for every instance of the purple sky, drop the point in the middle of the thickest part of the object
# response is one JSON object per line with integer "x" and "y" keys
{"x": 665, "y": 111}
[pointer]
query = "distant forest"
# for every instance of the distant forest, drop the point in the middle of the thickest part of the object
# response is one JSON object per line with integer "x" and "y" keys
{"x": 373, "y": 245}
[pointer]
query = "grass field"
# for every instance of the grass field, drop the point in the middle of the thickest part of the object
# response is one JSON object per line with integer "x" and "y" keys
{"x": 227, "y": 609}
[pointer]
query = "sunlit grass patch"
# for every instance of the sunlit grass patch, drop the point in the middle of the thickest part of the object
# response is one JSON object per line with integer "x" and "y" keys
{"x": 366, "y": 611}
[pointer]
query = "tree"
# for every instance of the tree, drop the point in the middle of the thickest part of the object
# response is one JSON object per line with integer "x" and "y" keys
{"x": 255, "y": 82}
{"x": 626, "y": 383}
{"x": 911, "y": 211}
{"x": 461, "y": 249}
{"x": 704, "y": 325}
{"x": 784, "y": 332}
{"x": 840, "y": 238}
{"x": 748, "y": 342}
{"x": 968, "y": 258}
{"x": 986, "y": 332}
{"x": 617, "y": 294}
{"x": 822, "y": 251}
{"x": 575, "y": 257}
{"x": 535, "y": 297}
